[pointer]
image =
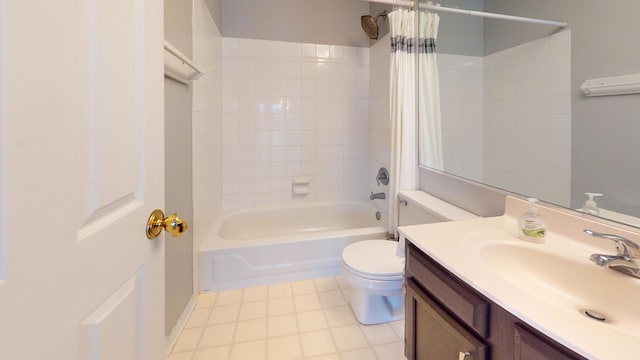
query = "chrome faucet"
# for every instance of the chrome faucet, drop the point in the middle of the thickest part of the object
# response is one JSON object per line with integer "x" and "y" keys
{"x": 376, "y": 196}
{"x": 625, "y": 261}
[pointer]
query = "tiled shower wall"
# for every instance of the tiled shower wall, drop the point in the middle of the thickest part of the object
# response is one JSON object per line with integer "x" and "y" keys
{"x": 293, "y": 110}
{"x": 461, "y": 102}
{"x": 506, "y": 117}
{"x": 320, "y": 112}
{"x": 527, "y": 113}
{"x": 379, "y": 125}
{"x": 207, "y": 123}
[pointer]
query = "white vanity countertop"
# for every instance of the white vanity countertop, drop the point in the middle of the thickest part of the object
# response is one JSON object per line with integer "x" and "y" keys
{"x": 463, "y": 247}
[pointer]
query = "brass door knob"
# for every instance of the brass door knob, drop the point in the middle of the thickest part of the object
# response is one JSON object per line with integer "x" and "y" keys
{"x": 171, "y": 224}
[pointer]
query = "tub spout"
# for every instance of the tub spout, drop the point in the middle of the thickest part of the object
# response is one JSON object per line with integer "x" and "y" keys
{"x": 376, "y": 196}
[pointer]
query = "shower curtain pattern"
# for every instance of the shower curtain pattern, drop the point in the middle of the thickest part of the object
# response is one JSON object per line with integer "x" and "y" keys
{"x": 427, "y": 46}
{"x": 402, "y": 99}
{"x": 402, "y": 43}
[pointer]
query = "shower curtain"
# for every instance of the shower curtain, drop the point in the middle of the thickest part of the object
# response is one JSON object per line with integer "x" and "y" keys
{"x": 430, "y": 128}
{"x": 402, "y": 99}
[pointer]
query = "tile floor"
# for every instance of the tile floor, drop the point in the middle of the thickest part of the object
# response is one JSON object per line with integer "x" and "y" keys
{"x": 308, "y": 320}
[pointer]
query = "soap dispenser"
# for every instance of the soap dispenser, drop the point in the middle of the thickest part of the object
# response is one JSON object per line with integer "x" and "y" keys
{"x": 531, "y": 226}
{"x": 590, "y": 206}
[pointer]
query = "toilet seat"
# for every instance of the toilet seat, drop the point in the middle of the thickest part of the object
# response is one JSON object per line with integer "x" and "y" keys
{"x": 373, "y": 260}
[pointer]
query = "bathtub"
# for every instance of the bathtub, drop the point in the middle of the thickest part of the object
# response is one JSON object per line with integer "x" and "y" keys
{"x": 259, "y": 247}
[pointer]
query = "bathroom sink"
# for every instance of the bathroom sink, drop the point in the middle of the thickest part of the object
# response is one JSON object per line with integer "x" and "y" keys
{"x": 547, "y": 285}
{"x": 571, "y": 285}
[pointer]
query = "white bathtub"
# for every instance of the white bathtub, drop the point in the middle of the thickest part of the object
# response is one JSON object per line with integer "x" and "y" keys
{"x": 258, "y": 247}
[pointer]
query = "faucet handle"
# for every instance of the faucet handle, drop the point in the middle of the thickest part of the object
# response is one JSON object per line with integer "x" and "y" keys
{"x": 624, "y": 246}
{"x": 382, "y": 177}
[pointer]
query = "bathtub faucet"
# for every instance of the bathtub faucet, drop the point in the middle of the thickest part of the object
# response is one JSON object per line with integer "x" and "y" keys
{"x": 376, "y": 196}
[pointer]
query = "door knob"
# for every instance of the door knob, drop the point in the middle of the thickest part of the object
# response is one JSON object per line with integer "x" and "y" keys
{"x": 171, "y": 224}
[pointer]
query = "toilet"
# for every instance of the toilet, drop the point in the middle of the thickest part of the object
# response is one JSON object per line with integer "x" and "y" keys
{"x": 375, "y": 273}
{"x": 374, "y": 270}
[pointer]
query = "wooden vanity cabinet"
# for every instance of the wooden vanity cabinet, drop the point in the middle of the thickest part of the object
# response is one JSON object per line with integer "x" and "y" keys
{"x": 436, "y": 335}
{"x": 447, "y": 319}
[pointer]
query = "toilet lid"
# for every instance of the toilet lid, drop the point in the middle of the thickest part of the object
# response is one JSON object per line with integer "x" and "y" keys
{"x": 374, "y": 257}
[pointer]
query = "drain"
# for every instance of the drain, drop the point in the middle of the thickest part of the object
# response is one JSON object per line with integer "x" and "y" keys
{"x": 593, "y": 314}
{"x": 378, "y": 215}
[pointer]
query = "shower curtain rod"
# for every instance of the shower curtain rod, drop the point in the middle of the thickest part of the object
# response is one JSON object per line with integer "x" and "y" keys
{"x": 437, "y": 7}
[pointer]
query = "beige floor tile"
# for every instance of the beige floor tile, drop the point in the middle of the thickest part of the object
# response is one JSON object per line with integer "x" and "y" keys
{"x": 279, "y": 290}
{"x": 217, "y": 353}
{"x": 251, "y": 330}
{"x": 224, "y": 314}
{"x": 303, "y": 287}
{"x": 282, "y": 325}
{"x": 348, "y": 337}
{"x": 317, "y": 343}
{"x": 281, "y": 306}
{"x": 398, "y": 328}
{"x": 253, "y": 310}
{"x": 339, "y": 316}
{"x": 180, "y": 356}
{"x": 311, "y": 321}
{"x": 284, "y": 348}
{"x": 326, "y": 284}
{"x": 217, "y": 335}
{"x": 206, "y": 300}
{"x": 379, "y": 334}
{"x": 393, "y": 351}
{"x": 360, "y": 354}
{"x": 331, "y": 299}
{"x": 198, "y": 318}
{"x": 254, "y": 350}
{"x": 229, "y": 297}
{"x": 306, "y": 302}
{"x": 324, "y": 357}
{"x": 302, "y": 320}
{"x": 257, "y": 293}
{"x": 188, "y": 340}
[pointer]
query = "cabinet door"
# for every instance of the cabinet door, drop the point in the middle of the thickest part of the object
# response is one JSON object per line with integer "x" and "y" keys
{"x": 434, "y": 335}
{"x": 530, "y": 346}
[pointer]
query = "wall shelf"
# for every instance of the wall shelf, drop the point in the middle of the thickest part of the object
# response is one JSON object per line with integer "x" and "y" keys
{"x": 178, "y": 66}
{"x": 614, "y": 85}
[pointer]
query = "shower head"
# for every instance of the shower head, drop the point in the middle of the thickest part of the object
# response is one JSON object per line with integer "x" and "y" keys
{"x": 370, "y": 25}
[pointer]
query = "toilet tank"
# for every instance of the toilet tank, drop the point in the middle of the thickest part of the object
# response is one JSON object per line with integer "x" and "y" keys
{"x": 418, "y": 207}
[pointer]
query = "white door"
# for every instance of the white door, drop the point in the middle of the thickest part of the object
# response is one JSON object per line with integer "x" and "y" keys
{"x": 81, "y": 168}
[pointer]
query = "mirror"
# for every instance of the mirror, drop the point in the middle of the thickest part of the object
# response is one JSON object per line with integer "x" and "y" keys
{"x": 512, "y": 112}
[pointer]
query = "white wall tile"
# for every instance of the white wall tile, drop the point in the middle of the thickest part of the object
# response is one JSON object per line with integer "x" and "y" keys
{"x": 461, "y": 107}
{"x": 207, "y": 120}
{"x": 528, "y": 103}
{"x": 276, "y": 99}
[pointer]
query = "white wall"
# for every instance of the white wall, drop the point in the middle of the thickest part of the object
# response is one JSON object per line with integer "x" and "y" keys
{"x": 333, "y": 22}
{"x": 293, "y": 109}
{"x": 178, "y": 172}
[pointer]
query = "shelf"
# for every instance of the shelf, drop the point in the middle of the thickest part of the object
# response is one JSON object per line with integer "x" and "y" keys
{"x": 177, "y": 66}
{"x": 614, "y": 85}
